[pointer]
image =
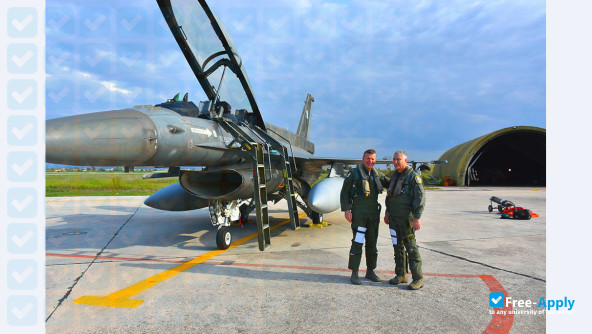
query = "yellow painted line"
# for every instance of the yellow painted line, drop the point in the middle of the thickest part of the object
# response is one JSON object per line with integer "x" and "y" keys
{"x": 121, "y": 298}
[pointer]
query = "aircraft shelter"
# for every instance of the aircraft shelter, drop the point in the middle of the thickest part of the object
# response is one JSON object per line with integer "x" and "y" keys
{"x": 513, "y": 156}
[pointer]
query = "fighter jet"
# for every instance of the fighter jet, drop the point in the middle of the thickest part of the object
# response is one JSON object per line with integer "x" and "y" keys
{"x": 245, "y": 162}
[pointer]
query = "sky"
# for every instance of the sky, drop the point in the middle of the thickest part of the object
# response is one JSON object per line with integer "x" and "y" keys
{"x": 419, "y": 76}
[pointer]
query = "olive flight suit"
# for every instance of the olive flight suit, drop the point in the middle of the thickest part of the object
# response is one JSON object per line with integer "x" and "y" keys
{"x": 365, "y": 214}
{"x": 403, "y": 203}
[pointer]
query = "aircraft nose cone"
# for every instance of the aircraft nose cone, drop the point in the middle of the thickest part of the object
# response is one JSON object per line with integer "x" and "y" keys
{"x": 109, "y": 138}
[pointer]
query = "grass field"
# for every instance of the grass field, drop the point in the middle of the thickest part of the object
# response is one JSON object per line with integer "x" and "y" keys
{"x": 107, "y": 184}
{"x": 102, "y": 184}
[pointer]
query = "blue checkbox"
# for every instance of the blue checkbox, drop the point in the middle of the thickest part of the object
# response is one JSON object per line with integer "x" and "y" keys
{"x": 22, "y": 58}
{"x": 22, "y": 22}
{"x": 21, "y": 130}
{"x": 95, "y": 57}
{"x": 21, "y": 202}
{"x": 280, "y": 22}
{"x": 22, "y": 94}
{"x": 497, "y": 299}
{"x": 21, "y": 274}
{"x": 21, "y": 166}
{"x": 60, "y": 94}
{"x": 243, "y": 21}
{"x": 131, "y": 22}
{"x": 95, "y": 22}
{"x": 59, "y": 58}
{"x": 60, "y": 21}
{"x": 131, "y": 58}
{"x": 21, "y": 310}
{"x": 21, "y": 238}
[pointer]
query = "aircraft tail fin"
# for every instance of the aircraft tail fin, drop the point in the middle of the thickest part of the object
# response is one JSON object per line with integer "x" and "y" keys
{"x": 304, "y": 125}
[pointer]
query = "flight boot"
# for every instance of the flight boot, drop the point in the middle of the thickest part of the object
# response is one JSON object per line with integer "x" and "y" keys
{"x": 372, "y": 276}
{"x": 416, "y": 284}
{"x": 355, "y": 279}
{"x": 398, "y": 280}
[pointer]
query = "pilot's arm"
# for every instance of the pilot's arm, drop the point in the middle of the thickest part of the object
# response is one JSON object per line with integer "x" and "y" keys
{"x": 344, "y": 196}
{"x": 418, "y": 199}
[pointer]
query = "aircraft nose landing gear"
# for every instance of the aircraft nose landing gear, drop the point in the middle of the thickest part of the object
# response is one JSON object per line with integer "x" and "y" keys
{"x": 222, "y": 213}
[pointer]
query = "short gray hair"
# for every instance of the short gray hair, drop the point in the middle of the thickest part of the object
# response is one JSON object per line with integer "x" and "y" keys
{"x": 401, "y": 153}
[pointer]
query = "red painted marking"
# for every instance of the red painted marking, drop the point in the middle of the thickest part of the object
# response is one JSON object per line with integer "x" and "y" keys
{"x": 500, "y": 323}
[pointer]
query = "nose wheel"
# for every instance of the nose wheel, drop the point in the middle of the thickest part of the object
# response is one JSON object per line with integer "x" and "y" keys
{"x": 223, "y": 237}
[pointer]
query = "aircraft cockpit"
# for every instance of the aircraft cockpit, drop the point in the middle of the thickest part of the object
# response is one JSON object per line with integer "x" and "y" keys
{"x": 212, "y": 56}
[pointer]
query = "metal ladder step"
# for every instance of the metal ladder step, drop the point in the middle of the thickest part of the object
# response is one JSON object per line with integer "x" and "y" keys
{"x": 255, "y": 148}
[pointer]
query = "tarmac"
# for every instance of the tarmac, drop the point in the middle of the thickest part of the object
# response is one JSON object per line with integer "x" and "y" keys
{"x": 115, "y": 265}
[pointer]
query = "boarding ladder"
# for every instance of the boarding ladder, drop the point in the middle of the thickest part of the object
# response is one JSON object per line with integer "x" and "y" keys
{"x": 289, "y": 170}
{"x": 257, "y": 150}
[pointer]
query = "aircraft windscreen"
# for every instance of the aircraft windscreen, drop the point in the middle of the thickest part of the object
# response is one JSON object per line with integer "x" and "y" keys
{"x": 210, "y": 53}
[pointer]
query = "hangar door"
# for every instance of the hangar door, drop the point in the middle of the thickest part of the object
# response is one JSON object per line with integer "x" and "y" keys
{"x": 514, "y": 156}
{"x": 512, "y": 159}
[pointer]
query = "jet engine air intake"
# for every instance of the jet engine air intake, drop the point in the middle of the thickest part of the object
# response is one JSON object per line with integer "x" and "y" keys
{"x": 225, "y": 184}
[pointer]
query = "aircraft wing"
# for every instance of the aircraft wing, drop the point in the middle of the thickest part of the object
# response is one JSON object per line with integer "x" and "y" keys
{"x": 311, "y": 163}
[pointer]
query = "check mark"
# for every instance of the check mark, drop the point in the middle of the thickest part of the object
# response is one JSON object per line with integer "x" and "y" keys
{"x": 496, "y": 300}
{"x": 57, "y": 133}
{"x": 314, "y": 59}
{"x": 22, "y": 132}
{"x": 21, "y": 97}
{"x": 92, "y": 98}
{"x": 278, "y": 24}
{"x": 313, "y": 25}
{"x": 21, "y": 169}
{"x": 21, "y": 277}
{"x": 21, "y": 61}
{"x": 131, "y": 61}
{"x": 128, "y": 133}
{"x": 93, "y": 133}
{"x": 21, "y": 313}
{"x": 240, "y": 25}
{"x": 56, "y": 61}
{"x": 95, "y": 60}
{"x": 93, "y": 25}
{"x": 20, "y": 206}
{"x": 21, "y": 25}
{"x": 274, "y": 61}
{"x": 132, "y": 94}
{"x": 167, "y": 61}
{"x": 21, "y": 241}
{"x": 130, "y": 25}
{"x": 59, "y": 96}
{"x": 57, "y": 25}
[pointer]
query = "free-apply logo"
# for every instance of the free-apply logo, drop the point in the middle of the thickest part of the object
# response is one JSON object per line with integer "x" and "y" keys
{"x": 497, "y": 299}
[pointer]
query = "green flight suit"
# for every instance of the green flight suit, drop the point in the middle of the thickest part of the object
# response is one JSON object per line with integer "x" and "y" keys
{"x": 401, "y": 209}
{"x": 365, "y": 216}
